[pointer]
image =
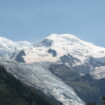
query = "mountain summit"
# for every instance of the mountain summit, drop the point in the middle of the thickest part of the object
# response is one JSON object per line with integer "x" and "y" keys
{"x": 53, "y": 47}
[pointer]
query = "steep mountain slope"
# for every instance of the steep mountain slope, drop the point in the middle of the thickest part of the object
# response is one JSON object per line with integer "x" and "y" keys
{"x": 87, "y": 88}
{"x": 14, "y": 92}
{"x": 37, "y": 76}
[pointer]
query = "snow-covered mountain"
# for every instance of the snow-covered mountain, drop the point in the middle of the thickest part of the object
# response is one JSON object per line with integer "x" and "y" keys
{"x": 62, "y": 49}
{"x": 56, "y": 57}
{"x": 53, "y": 47}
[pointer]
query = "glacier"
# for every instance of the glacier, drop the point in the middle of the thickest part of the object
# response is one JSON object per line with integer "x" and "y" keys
{"x": 36, "y": 75}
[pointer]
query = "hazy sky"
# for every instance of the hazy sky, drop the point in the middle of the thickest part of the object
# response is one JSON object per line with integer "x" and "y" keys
{"x": 32, "y": 20}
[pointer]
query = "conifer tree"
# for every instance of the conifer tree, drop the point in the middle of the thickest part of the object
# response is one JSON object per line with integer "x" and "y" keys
{"x": 103, "y": 100}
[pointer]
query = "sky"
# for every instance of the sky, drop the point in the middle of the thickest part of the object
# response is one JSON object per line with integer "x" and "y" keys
{"x": 33, "y": 20}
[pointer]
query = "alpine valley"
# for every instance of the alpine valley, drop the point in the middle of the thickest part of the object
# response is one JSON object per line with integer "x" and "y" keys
{"x": 59, "y": 70}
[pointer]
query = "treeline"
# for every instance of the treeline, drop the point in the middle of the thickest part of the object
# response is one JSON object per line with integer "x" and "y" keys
{"x": 14, "y": 92}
